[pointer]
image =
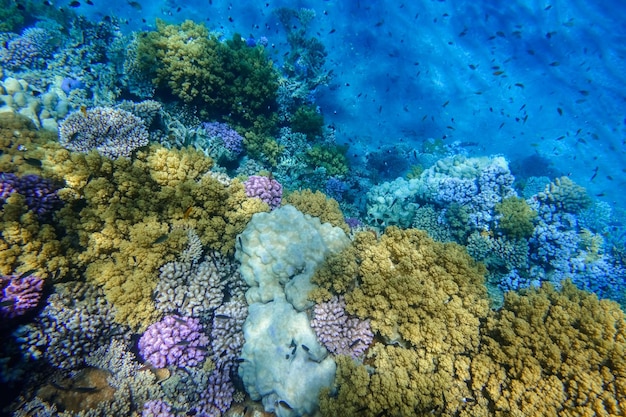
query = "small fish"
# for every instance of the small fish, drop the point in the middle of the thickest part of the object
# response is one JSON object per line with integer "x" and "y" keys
{"x": 472, "y": 66}
{"x": 520, "y": 85}
{"x": 135, "y": 5}
{"x": 28, "y": 273}
{"x": 595, "y": 173}
{"x": 496, "y": 73}
{"x": 353, "y": 344}
{"x": 600, "y": 195}
{"x": 584, "y": 92}
{"x": 332, "y": 31}
{"x": 161, "y": 239}
{"x": 284, "y": 404}
{"x": 33, "y": 162}
{"x": 560, "y": 110}
{"x": 75, "y": 4}
{"x": 445, "y": 104}
{"x": 222, "y": 316}
{"x": 7, "y": 303}
{"x": 187, "y": 212}
{"x": 554, "y": 64}
{"x": 379, "y": 23}
{"x": 305, "y": 347}
{"x": 83, "y": 111}
{"x": 20, "y": 6}
{"x": 47, "y": 3}
{"x": 89, "y": 2}
{"x": 610, "y": 178}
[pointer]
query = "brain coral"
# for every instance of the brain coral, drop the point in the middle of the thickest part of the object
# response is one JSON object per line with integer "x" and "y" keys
{"x": 426, "y": 300}
{"x": 550, "y": 352}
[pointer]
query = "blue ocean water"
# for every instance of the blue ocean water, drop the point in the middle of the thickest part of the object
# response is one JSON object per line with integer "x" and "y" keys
{"x": 440, "y": 108}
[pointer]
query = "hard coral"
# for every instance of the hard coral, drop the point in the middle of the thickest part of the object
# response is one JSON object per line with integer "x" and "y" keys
{"x": 550, "y": 352}
{"x": 19, "y": 294}
{"x": 318, "y": 205}
{"x": 223, "y": 79}
{"x": 174, "y": 341}
{"x": 426, "y": 300}
{"x": 112, "y": 132}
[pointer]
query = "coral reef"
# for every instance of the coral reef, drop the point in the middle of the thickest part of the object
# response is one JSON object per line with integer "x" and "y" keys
{"x": 425, "y": 300}
{"x": 40, "y": 194}
{"x": 516, "y": 217}
{"x": 330, "y": 157}
{"x": 223, "y": 79}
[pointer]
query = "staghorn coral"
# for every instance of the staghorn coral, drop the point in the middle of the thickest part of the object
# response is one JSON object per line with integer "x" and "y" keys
{"x": 550, "y": 352}
{"x": 318, "y": 205}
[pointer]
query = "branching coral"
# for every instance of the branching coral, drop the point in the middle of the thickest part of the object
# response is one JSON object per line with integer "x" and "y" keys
{"x": 551, "y": 352}
{"x": 318, "y": 205}
{"x": 426, "y": 300}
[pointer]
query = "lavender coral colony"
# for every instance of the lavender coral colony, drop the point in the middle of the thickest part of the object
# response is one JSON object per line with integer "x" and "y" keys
{"x": 190, "y": 279}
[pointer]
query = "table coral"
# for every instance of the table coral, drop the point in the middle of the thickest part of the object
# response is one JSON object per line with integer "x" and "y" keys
{"x": 550, "y": 352}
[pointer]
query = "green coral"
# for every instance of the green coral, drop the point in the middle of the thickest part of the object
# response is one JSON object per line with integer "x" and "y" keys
{"x": 263, "y": 147}
{"x": 516, "y": 217}
{"x": 11, "y": 18}
{"x": 222, "y": 79}
{"x": 330, "y": 157}
{"x": 457, "y": 217}
{"x": 307, "y": 120}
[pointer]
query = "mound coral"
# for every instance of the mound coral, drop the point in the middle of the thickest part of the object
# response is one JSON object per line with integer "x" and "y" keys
{"x": 330, "y": 157}
{"x": 550, "y": 352}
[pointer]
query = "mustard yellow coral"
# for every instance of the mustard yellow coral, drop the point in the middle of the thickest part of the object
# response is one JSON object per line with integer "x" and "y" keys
{"x": 550, "y": 352}
{"x": 425, "y": 300}
{"x": 318, "y": 205}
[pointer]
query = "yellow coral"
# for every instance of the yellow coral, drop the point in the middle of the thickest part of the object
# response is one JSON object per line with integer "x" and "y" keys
{"x": 550, "y": 352}
{"x": 318, "y": 205}
{"x": 426, "y": 299}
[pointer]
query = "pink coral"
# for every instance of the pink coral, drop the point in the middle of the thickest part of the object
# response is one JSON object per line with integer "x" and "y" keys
{"x": 267, "y": 189}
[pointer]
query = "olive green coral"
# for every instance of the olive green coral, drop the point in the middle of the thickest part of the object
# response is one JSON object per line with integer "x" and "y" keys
{"x": 222, "y": 79}
{"x": 330, "y": 157}
{"x": 550, "y": 352}
{"x": 516, "y": 217}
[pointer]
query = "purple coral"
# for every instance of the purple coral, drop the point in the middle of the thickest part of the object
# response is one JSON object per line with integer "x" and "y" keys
{"x": 40, "y": 194}
{"x": 232, "y": 140}
{"x": 335, "y": 188}
{"x": 156, "y": 408}
{"x": 176, "y": 341}
{"x": 112, "y": 132}
{"x": 27, "y": 50}
{"x": 19, "y": 294}
{"x": 339, "y": 332}
{"x": 268, "y": 190}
